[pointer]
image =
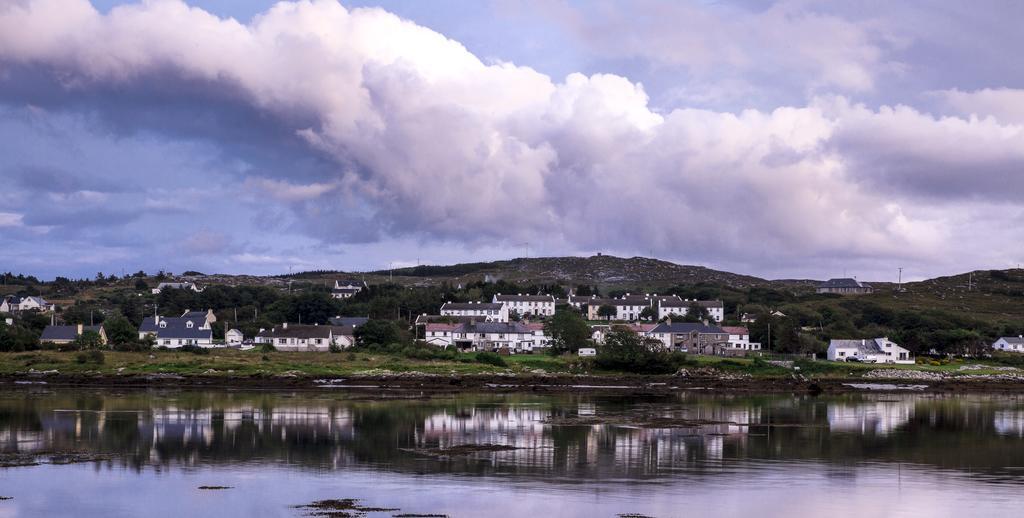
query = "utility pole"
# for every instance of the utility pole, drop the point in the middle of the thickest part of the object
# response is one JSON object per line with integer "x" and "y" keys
{"x": 899, "y": 281}
{"x": 769, "y": 337}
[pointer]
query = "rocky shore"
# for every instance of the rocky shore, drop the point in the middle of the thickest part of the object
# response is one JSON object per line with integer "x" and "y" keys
{"x": 402, "y": 383}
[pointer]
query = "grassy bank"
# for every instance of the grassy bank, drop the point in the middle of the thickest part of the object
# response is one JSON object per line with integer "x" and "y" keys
{"x": 233, "y": 363}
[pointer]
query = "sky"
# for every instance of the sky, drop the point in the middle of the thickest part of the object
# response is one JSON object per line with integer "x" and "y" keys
{"x": 785, "y": 139}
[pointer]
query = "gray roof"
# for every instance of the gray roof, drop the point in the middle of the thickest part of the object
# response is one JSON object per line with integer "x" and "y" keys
{"x": 495, "y": 327}
{"x": 687, "y": 303}
{"x": 349, "y": 321}
{"x": 297, "y": 331}
{"x": 867, "y": 346}
{"x": 687, "y": 327}
{"x": 1013, "y": 339}
{"x": 524, "y": 298}
{"x": 176, "y": 328}
{"x": 471, "y": 305}
{"x": 843, "y": 283}
{"x": 52, "y": 333}
{"x": 345, "y": 290}
{"x": 429, "y": 319}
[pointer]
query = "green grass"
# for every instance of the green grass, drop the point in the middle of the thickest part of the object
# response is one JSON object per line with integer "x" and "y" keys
{"x": 231, "y": 363}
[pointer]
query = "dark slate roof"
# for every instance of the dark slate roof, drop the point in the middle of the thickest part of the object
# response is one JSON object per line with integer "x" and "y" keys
{"x": 843, "y": 283}
{"x": 459, "y": 306}
{"x": 345, "y": 290}
{"x": 52, "y": 333}
{"x": 349, "y": 282}
{"x": 524, "y": 298}
{"x": 349, "y": 321}
{"x": 687, "y": 327}
{"x": 1013, "y": 339}
{"x": 176, "y": 328}
{"x": 297, "y": 331}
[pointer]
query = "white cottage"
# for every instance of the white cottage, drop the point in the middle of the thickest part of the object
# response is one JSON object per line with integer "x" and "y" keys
{"x": 488, "y": 311}
{"x": 528, "y": 305}
{"x": 876, "y": 350}
{"x": 1014, "y": 344}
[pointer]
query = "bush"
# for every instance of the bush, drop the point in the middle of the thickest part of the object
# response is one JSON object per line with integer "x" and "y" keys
{"x": 268, "y": 348}
{"x": 91, "y": 356}
{"x": 626, "y": 351}
{"x": 490, "y": 358}
{"x": 334, "y": 348}
{"x": 194, "y": 349}
{"x": 132, "y": 347}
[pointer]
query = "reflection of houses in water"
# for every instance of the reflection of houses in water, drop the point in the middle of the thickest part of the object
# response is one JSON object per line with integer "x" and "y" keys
{"x": 878, "y": 417}
{"x": 1009, "y": 422}
{"x": 184, "y": 424}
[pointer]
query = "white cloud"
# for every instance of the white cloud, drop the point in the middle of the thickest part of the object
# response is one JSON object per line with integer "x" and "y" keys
{"x": 10, "y": 219}
{"x": 426, "y": 140}
{"x": 1004, "y": 104}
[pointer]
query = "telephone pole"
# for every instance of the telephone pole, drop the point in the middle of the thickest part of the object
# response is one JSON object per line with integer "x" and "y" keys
{"x": 899, "y": 282}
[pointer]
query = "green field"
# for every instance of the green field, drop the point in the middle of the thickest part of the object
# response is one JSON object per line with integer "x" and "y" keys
{"x": 232, "y": 363}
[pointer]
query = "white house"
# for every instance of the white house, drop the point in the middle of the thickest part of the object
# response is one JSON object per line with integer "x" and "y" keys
{"x": 1009, "y": 343}
{"x": 347, "y": 289}
{"x": 297, "y": 337}
{"x": 440, "y": 334}
{"x": 528, "y": 305}
{"x": 667, "y": 307}
{"x": 176, "y": 286}
{"x": 739, "y": 339}
{"x": 174, "y": 332}
{"x": 489, "y": 336}
{"x": 233, "y": 338}
{"x": 30, "y": 303}
{"x": 489, "y": 311}
{"x": 627, "y": 308}
{"x": 876, "y": 350}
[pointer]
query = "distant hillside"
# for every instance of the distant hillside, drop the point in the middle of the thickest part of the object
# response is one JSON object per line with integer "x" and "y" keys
{"x": 600, "y": 270}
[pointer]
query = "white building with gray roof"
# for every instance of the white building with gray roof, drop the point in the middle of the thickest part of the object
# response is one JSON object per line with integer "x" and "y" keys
{"x": 487, "y": 311}
{"x": 873, "y": 350}
{"x": 528, "y": 305}
{"x": 1013, "y": 344}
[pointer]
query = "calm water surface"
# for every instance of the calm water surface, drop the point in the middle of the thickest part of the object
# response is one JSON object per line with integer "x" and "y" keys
{"x": 579, "y": 455}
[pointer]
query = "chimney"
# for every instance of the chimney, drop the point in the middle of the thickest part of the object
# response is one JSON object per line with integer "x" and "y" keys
{"x": 284, "y": 325}
{"x": 862, "y": 341}
{"x": 80, "y": 329}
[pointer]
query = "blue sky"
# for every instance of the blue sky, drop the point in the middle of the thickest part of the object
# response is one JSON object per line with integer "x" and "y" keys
{"x": 783, "y": 139}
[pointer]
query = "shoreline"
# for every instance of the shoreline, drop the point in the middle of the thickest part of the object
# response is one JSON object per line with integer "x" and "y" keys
{"x": 626, "y": 385}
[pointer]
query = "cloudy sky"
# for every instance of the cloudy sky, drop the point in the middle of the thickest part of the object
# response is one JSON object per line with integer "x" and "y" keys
{"x": 781, "y": 139}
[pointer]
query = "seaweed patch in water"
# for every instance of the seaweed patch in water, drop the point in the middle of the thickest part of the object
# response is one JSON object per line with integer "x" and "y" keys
{"x": 413, "y": 515}
{"x": 2, "y": 498}
{"x": 634, "y": 515}
{"x": 342, "y": 508}
{"x": 215, "y": 487}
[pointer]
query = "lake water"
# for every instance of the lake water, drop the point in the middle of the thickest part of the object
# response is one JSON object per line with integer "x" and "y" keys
{"x": 148, "y": 452}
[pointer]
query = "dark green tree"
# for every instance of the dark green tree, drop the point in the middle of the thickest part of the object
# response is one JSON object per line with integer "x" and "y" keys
{"x": 568, "y": 332}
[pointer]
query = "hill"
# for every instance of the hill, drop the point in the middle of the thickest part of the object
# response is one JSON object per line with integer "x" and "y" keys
{"x": 605, "y": 271}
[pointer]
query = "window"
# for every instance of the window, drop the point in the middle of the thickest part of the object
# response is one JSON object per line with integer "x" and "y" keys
{"x": 282, "y": 341}
{"x": 842, "y": 353}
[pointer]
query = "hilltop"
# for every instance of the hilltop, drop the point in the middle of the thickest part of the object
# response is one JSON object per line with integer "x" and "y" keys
{"x": 605, "y": 271}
